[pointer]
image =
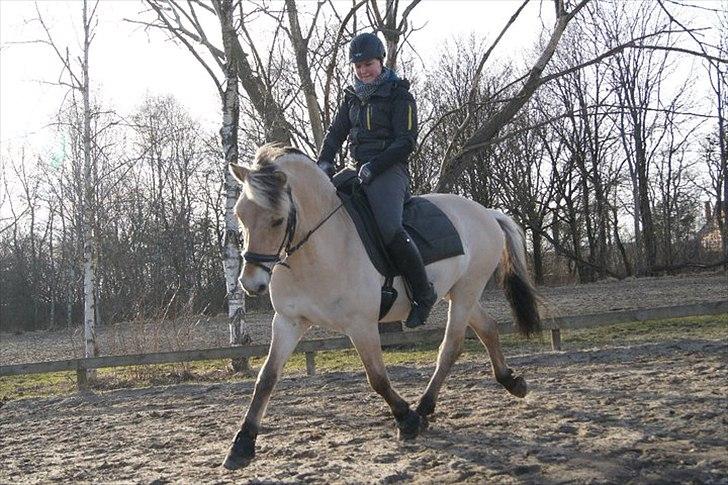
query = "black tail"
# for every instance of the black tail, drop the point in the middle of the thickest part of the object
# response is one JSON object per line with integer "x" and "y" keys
{"x": 520, "y": 292}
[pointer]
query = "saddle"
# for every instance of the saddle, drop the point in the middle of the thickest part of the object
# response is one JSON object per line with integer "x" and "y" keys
{"x": 429, "y": 227}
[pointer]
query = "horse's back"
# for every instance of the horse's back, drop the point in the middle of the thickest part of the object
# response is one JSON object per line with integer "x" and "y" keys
{"x": 477, "y": 226}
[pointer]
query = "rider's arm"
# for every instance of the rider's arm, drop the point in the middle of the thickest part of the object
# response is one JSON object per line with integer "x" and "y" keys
{"x": 338, "y": 131}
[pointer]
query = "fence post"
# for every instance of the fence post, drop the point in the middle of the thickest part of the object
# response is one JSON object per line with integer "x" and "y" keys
{"x": 81, "y": 378}
{"x": 555, "y": 339}
{"x": 311, "y": 363}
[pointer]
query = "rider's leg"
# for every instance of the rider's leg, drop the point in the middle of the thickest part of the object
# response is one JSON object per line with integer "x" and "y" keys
{"x": 387, "y": 194}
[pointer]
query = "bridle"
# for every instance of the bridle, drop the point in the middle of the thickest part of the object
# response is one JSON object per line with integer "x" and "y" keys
{"x": 259, "y": 259}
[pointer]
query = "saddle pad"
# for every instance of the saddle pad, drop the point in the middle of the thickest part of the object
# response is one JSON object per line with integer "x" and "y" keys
{"x": 430, "y": 228}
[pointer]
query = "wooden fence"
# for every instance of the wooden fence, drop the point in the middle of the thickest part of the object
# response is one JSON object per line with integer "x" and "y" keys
{"x": 310, "y": 347}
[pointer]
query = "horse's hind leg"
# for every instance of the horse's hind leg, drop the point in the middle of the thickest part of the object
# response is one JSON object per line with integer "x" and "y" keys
{"x": 286, "y": 334}
{"x": 450, "y": 350}
{"x": 487, "y": 330}
{"x": 368, "y": 345}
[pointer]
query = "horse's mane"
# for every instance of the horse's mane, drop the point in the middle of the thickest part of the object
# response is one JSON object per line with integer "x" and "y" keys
{"x": 270, "y": 152}
{"x": 266, "y": 185}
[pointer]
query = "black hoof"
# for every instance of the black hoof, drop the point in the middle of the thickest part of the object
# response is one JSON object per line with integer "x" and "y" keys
{"x": 424, "y": 423}
{"x": 515, "y": 385}
{"x": 409, "y": 426}
{"x": 242, "y": 451}
{"x": 233, "y": 462}
{"x": 519, "y": 387}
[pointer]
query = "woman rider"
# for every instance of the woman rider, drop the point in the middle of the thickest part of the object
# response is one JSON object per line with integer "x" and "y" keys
{"x": 379, "y": 116}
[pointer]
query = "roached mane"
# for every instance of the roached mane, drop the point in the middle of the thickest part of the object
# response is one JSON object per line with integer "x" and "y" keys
{"x": 265, "y": 185}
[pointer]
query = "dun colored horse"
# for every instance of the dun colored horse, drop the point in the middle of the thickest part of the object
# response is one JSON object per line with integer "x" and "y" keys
{"x": 305, "y": 250}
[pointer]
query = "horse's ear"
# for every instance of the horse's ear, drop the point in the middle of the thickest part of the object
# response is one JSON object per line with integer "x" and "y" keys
{"x": 280, "y": 177}
{"x": 240, "y": 172}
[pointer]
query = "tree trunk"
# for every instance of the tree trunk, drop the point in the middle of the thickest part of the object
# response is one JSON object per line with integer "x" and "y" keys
{"x": 89, "y": 266}
{"x": 618, "y": 241}
{"x": 723, "y": 221}
{"x": 648, "y": 228}
{"x": 300, "y": 47}
{"x": 452, "y": 168}
{"x": 229, "y": 138}
{"x": 537, "y": 241}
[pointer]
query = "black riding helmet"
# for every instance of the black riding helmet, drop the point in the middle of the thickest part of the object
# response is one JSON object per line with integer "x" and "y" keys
{"x": 366, "y": 46}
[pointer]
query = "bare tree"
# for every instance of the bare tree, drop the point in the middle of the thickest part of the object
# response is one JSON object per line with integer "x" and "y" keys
{"x": 80, "y": 81}
{"x": 393, "y": 28}
{"x": 452, "y": 167}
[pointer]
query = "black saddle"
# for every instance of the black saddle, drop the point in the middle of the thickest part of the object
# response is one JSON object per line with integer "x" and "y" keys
{"x": 429, "y": 227}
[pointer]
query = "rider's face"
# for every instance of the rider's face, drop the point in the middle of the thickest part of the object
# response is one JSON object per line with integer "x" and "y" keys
{"x": 367, "y": 71}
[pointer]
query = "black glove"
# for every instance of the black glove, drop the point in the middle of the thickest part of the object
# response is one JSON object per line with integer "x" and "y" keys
{"x": 366, "y": 174}
{"x": 327, "y": 168}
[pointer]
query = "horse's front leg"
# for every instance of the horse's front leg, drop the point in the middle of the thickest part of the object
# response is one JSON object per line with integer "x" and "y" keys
{"x": 368, "y": 346}
{"x": 286, "y": 334}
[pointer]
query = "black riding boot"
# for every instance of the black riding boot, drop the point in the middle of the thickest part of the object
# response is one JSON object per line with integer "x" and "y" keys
{"x": 409, "y": 261}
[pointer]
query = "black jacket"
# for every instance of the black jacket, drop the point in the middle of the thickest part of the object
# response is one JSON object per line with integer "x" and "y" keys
{"x": 382, "y": 130}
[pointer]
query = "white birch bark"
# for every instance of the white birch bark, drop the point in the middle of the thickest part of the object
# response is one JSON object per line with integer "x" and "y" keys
{"x": 89, "y": 266}
{"x": 229, "y": 137}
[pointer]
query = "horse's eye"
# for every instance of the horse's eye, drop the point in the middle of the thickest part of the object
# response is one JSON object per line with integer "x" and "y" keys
{"x": 277, "y": 222}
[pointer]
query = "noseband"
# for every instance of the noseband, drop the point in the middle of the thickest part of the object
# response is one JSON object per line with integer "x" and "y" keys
{"x": 258, "y": 259}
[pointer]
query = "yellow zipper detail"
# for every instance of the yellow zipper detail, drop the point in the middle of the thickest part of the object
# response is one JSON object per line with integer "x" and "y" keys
{"x": 369, "y": 117}
{"x": 409, "y": 117}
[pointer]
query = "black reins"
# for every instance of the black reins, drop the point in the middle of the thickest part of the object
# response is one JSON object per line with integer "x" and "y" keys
{"x": 258, "y": 259}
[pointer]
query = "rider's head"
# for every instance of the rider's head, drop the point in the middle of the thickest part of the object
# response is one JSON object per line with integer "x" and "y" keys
{"x": 366, "y": 53}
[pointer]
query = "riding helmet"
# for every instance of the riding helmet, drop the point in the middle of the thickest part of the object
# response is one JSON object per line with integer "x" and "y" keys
{"x": 366, "y": 46}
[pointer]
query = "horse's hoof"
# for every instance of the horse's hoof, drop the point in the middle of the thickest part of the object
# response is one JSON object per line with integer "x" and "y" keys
{"x": 242, "y": 451}
{"x": 426, "y": 415}
{"x": 424, "y": 423}
{"x": 409, "y": 426}
{"x": 515, "y": 385}
{"x": 234, "y": 462}
{"x": 518, "y": 387}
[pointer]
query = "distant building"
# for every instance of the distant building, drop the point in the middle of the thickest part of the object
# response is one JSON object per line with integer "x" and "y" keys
{"x": 708, "y": 237}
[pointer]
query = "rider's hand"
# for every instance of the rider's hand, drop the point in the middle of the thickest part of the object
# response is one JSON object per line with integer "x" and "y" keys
{"x": 327, "y": 167}
{"x": 366, "y": 174}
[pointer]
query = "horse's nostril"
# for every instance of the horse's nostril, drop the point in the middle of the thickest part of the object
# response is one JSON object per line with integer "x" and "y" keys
{"x": 261, "y": 288}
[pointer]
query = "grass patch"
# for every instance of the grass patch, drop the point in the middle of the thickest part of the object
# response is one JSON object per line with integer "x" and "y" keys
{"x": 63, "y": 383}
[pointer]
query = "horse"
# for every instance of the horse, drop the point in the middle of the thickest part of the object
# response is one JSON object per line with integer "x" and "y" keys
{"x": 303, "y": 249}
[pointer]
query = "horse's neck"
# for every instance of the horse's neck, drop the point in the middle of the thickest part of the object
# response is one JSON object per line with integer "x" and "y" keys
{"x": 316, "y": 199}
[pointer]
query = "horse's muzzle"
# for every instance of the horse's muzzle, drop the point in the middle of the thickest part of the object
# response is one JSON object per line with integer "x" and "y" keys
{"x": 260, "y": 289}
{"x": 254, "y": 281}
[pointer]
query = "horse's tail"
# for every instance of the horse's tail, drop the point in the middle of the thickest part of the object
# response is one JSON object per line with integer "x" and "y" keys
{"x": 516, "y": 282}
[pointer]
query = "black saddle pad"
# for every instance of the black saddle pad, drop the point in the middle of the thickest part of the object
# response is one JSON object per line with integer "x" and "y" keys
{"x": 430, "y": 228}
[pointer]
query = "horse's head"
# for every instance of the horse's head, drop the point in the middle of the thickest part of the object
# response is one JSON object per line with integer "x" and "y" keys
{"x": 266, "y": 213}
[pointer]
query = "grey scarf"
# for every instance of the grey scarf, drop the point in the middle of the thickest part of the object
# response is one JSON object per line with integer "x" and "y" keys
{"x": 364, "y": 91}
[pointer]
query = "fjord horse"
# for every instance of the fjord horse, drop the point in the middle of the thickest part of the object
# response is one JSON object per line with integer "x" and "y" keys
{"x": 302, "y": 247}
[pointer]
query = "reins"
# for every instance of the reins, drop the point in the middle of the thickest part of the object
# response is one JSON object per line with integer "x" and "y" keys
{"x": 257, "y": 259}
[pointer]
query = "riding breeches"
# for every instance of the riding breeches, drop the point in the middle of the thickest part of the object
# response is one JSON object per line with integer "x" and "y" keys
{"x": 387, "y": 194}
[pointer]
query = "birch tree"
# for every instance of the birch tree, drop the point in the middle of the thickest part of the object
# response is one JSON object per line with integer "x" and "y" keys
{"x": 78, "y": 79}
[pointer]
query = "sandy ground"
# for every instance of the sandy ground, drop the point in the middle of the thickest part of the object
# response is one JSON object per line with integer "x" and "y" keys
{"x": 648, "y": 413}
{"x": 196, "y": 333}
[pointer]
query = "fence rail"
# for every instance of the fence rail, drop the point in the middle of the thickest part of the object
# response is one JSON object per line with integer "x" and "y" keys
{"x": 309, "y": 347}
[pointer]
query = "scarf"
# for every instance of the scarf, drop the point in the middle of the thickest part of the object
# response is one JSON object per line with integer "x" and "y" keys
{"x": 364, "y": 91}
